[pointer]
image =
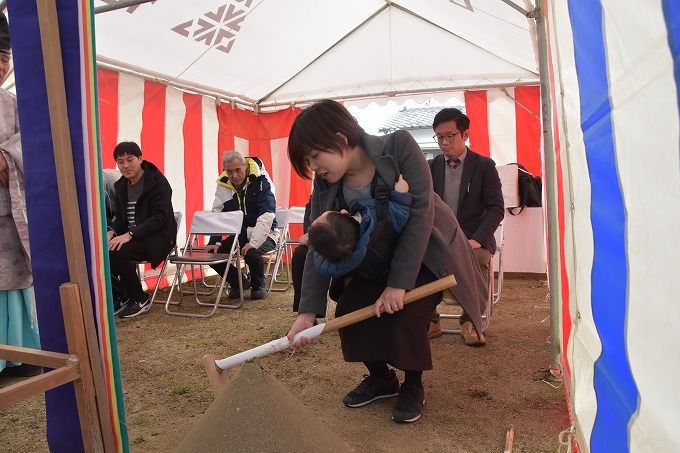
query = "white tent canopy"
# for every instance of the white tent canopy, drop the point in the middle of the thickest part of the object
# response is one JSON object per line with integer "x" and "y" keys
{"x": 291, "y": 51}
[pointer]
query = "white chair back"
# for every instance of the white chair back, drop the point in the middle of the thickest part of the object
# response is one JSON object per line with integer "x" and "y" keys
{"x": 213, "y": 223}
{"x": 282, "y": 216}
{"x": 296, "y": 214}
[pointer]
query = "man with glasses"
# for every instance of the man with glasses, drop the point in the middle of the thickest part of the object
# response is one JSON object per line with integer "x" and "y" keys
{"x": 469, "y": 184}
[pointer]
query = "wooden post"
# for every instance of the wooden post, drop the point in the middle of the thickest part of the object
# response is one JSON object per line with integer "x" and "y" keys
{"x": 84, "y": 387}
{"x": 68, "y": 200}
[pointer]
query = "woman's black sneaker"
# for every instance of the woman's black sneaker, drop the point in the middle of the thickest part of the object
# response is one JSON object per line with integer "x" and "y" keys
{"x": 410, "y": 403}
{"x": 373, "y": 388}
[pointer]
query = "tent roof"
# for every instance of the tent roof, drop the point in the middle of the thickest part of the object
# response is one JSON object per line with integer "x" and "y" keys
{"x": 279, "y": 52}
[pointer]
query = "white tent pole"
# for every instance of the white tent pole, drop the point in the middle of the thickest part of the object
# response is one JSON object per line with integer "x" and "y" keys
{"x": 550, "y": 184}
{"x": 119, "y": 5}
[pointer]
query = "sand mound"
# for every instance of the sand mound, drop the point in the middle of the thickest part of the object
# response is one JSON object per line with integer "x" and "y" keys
{"x": 256, "y": 413}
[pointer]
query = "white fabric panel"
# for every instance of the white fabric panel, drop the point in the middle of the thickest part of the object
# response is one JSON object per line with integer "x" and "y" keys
{"x": 521, "y": 251}
{"x": 280, "y": 172}
{"x": 641, "y": 94}
{"x": 211, "y": 160}
{"x": 241, "y": 145}
{"x": 391, "y": 60}
{"x": 175, "y": 112}
{"x": 509, "y": 184}
{"x": 208, "y": 222}
{"x": 251, "y": 48}
{"x": 130, "y": 104}
{"x": 584, "y": 346}
{"x": 275, "y": 41}
{"x": 502, "y": 128}
{"x": 490, "y": 24}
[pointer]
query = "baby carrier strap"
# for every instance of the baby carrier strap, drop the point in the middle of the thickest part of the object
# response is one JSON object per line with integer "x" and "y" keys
{"x": 381, "y": 193}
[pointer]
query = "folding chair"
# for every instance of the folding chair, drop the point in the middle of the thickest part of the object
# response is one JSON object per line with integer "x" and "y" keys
{"x": 492, "y": 295}
{"x": 500, "y": 242}
{"x": 275, "y": 257}
{"x": 296, "y": 216}
{"x": 140, "y": 273}
{"x": 208, "y": 223}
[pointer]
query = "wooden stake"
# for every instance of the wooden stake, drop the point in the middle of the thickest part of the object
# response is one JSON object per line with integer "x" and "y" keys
{"x": 68, "y": 200}
{"x": 215, "y": 378}
{"x": 509, "y": 439}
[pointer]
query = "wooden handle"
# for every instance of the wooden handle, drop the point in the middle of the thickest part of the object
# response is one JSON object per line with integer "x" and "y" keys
{"x": 411, "y": 296}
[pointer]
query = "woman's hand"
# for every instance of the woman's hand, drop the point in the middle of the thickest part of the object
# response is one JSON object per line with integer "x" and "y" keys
{"x": 302, "y": 322}
{"x": 392, "y": 299}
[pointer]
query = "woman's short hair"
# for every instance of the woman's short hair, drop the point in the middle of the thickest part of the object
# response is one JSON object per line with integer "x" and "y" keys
{"x": 336, "y": 238}
{"x": 317, "y": 128}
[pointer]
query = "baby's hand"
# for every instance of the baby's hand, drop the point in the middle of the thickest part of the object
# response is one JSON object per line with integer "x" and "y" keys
{"x": 401, "y": 185}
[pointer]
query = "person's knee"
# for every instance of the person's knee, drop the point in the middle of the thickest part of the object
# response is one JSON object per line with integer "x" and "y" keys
{"x": 483, "y": 257}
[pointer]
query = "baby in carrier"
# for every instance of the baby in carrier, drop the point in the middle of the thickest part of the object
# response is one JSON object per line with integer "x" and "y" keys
{"x": 360, "y": 242}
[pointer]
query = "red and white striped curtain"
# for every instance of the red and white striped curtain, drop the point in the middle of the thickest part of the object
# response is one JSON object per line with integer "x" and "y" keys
{"x": 185, "y": 135}
{"x": 505, "y": 125}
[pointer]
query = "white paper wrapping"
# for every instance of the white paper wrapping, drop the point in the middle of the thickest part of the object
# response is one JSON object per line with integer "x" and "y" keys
{"x": 268, "y": 348}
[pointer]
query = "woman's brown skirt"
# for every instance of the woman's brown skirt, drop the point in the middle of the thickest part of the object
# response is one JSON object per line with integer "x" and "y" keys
{"x": 399, "y": 339}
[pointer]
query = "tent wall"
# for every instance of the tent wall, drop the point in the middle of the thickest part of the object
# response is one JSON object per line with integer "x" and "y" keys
{"x": 615, "y": 73}
{"x": 185, "y": 134}
{"x": 505, "y": 125}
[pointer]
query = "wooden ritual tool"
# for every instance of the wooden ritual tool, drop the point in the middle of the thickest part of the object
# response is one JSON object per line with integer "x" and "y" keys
{"x": 214, "y": 367}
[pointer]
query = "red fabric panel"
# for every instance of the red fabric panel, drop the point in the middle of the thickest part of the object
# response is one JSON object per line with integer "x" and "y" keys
{"x": 153, "y": 124}
{"x": 300, "y": 190}
{"x": 107, "y": 82}
{"x": 193, "y": 155}
{"x": 477, "y": 110}
{"x": 259, "y": 129}
{"x": 528, "y": 126}
{"x": 261, "y": 148}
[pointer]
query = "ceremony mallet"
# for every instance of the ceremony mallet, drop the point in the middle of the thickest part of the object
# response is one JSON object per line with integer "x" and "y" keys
{"x": 215, "y": 367}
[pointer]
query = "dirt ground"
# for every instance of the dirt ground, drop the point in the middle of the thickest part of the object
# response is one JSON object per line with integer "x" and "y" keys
{"x": 472, "y": 396}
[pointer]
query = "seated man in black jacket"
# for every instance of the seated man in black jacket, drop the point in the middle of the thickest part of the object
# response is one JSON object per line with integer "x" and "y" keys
{"x": 469, "y": 184}
{"x": 145, "y": 227}
{"x": 244, "y": 186}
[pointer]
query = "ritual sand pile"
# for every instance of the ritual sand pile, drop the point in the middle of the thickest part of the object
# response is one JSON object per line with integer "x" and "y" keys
{"x": 256, "y": 413}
